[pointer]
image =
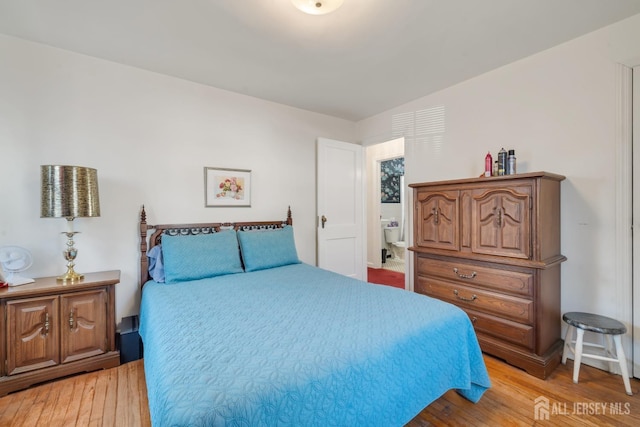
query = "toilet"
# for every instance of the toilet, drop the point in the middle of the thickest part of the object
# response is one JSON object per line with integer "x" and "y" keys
{"x": 398, "y": 249}
{"x": 392, "y": 238}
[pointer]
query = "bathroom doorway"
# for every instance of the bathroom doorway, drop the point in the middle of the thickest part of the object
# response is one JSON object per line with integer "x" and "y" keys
{"x": 392, "y": 215}
{"x": 386, "y": 218}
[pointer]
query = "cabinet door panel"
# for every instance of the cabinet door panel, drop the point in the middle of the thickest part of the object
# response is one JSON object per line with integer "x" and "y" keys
{"x": 502, "y": 224}
{"x": 486, "y": 231}
{"x": 83, "y": 324}
{"x": 437, "y": 220}
{"x": 32, "y": 334}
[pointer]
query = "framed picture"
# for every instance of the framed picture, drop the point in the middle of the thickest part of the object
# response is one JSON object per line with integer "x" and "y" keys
{"x": 227, "y": 187}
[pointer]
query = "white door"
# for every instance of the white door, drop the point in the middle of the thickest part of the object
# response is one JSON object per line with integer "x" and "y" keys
{"x": 340, "y": 208}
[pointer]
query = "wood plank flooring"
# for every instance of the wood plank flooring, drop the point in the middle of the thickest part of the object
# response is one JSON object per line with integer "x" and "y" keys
{"x": 118, "y": 397}
{"x": 110, "y": 397}
{"x": 511, "y": 400}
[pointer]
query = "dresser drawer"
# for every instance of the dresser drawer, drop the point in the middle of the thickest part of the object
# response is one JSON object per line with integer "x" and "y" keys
{"x": 503, "y": 280}
{"x": 505, "y": 306}
{"x": 513, "y": 332}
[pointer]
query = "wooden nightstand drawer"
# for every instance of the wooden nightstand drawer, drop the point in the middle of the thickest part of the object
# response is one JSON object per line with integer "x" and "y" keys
{"x": 505, "y": 306}
{"x": 505, "y": 280}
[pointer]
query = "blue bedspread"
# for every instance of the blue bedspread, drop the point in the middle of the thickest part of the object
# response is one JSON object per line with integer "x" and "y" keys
{"x": 301, "y": 346}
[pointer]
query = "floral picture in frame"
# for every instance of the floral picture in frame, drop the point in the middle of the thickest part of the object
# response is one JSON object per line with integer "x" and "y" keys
{"x": 227, "y": 187}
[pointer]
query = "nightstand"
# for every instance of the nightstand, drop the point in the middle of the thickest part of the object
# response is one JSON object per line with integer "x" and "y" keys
{"x": 54, "y": 329}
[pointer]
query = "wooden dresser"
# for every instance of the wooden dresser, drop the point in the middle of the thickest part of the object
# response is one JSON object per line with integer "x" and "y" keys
{"x": 50, "y": 329}
{"x": 492, "y": 247}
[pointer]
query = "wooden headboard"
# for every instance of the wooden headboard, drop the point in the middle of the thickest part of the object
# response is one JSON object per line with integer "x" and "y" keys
{"x": 185, "y": 229}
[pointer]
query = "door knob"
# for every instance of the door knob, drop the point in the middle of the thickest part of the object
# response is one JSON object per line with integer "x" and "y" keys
{"x": 323, "y": 219}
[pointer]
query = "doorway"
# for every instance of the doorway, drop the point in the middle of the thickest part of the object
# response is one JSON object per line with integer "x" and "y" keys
{"x": 386, "y": 209}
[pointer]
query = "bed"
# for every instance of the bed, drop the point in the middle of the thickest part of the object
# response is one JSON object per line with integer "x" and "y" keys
{"x": 241, "y": 333}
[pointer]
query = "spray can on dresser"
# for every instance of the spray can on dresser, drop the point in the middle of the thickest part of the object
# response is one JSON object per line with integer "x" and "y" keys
{"x": 511, "y": 162}
{"x": 502, "y": 161}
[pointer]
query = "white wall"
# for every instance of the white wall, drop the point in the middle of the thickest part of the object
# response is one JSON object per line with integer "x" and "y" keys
{"x": 149, "y": 136}
{"x": 557, "y": 109}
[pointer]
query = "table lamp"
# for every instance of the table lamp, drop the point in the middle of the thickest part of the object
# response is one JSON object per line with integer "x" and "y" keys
{"x": 69, "y": 192}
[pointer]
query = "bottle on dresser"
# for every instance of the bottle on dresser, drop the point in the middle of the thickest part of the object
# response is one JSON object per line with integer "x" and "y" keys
{"x": 511, "y": 162}
{"x": 502, "y": 162}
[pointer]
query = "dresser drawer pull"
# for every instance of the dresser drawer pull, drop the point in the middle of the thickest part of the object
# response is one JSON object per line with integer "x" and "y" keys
{"x": 473, "y": 297}
{"x": 474, "y": 319}
{"x": 465, "y": 276}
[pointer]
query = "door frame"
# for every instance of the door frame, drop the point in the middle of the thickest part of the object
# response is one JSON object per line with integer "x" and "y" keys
{"x": 624, "y": 212}
{"x": 631, "y": 88}
{"x": 374, "y": 154}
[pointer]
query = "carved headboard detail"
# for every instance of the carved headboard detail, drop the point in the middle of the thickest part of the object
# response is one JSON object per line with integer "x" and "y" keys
{"x": 191, "y": 229}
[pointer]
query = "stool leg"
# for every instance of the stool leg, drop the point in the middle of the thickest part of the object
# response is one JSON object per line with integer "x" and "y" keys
{"x": 567, "y": 344}
{"x": 578, "y": 354}
{"x": 609, "y": 350}
{"x": 623, "y": 364}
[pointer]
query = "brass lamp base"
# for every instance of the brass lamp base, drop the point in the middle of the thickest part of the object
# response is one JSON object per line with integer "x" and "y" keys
{"x": 70, "y": 255}
{"x": 70, "y": 276}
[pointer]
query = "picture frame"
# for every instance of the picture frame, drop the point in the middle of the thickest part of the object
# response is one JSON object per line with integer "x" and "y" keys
{"x": 225, "y": 187}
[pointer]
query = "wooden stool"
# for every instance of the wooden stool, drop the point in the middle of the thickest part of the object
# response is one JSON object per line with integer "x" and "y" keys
{"x": 581, "y": 322}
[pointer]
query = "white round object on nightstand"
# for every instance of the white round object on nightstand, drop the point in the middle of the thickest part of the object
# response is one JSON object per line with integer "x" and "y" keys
{"x": 13, "y": 261}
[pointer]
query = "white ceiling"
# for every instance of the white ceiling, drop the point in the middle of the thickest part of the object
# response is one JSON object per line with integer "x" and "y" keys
{"x": 365, "y": 58}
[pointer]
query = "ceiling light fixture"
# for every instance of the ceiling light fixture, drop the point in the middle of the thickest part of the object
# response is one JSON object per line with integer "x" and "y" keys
{"x": 317, "y": 7}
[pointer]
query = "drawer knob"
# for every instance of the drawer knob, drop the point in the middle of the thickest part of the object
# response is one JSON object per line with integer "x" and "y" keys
{"x": 465, "y": 276}
{"x": 473, "y": 297}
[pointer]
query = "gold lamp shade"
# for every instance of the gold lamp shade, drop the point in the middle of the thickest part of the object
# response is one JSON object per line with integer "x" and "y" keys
{"x": 69, "y": 192}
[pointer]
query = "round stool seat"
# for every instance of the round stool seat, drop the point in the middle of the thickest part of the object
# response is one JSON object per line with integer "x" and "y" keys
{"x": 594, "y": 323}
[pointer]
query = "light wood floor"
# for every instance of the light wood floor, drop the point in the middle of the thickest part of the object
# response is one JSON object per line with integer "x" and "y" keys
{"x": 117, "y": 397}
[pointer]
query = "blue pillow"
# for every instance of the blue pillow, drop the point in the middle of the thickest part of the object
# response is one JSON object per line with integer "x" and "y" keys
{"x": 264, "y": 249}
{"x": 156, "y": 266}
{"x": 199, "y": 256}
